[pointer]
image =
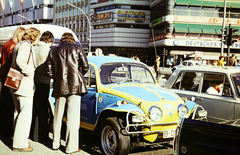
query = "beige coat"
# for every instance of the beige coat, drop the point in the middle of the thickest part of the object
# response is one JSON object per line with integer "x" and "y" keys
{"x": 26, "y": 87}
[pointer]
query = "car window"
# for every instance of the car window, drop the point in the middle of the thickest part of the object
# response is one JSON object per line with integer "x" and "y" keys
{"x": 216, "y": 84}
{"x": 236, "y": 80}
{"x": 90, "y": 78}
{"x": 125, "y": 72}
{"x": 188, "y": 81}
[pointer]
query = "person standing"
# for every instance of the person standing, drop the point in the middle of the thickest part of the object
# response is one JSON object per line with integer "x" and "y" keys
{"x": 67, "y": 64}
{"x": 220, "y": 61}
{"x": 232, "y": 61}
{"x": 41, "y": 106}
{"x": 157, "y": 67}
{"x": 6, "y": 102}
{"x": 23, "y": 97}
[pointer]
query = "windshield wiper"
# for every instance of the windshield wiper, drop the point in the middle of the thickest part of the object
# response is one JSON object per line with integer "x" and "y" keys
{"x": 126, "y": 80}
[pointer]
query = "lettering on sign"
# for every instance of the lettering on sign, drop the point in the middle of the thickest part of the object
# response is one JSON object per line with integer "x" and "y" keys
{"x": 206, "y": 20}
{"x": 138, "y": 17}
{"x": 101, "y": 17}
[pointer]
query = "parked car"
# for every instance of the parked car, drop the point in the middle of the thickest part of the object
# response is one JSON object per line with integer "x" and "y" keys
{"x": 187, "y": 63}
{"x": 200, "y": 137}
{"x": 197, "y": 82}
{"x": 126, "y": 107}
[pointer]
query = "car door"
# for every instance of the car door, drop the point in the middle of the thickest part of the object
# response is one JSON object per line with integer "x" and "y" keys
{"x": 219, "y": 107}
{"x": 88, "y": 101}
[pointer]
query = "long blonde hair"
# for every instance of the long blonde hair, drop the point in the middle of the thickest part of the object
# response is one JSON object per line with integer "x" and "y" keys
{"x": 18, "y": 33}
{"x": 31, "y": 34}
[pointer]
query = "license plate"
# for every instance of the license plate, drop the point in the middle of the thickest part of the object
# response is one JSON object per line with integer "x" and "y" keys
{"x": 168, "y": 133}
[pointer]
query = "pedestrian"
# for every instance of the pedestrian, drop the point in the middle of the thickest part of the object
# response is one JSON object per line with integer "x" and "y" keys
{"x": 220, "y": 61}
{"x": 41, "y": 106}
{"x": 6, "y": 102}
{"x": 157, "y": 67}
{"x": 23, "y": 97}
{"x": 232, "y": 61}
{"x": 67, "y": 64}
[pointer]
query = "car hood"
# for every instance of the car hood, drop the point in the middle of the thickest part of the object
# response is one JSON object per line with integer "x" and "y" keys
{"x": 146, "y": 96}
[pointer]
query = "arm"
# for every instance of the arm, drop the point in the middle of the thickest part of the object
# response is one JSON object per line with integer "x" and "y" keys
{"x": 49, "y": 64}
{"x": 22, "y": 59}
{"x": 83, "y": 62}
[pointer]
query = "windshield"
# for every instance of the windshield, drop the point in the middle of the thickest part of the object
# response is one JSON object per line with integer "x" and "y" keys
{"x": 125, "y": 72}
{"x": 236, "y": 80}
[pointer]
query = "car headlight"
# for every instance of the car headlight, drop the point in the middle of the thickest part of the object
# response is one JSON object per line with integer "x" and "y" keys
{"x": 182, "y": 111}
{"x": 155, "y": 113}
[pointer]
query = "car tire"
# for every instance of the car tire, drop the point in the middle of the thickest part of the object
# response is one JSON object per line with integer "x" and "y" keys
{"x": 112, "y": 140}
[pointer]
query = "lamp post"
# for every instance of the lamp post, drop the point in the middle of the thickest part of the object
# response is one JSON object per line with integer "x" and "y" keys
{"x": 25, "y": 18}
{"x": 89, "y": 24}
{"x": 223, "y": 27}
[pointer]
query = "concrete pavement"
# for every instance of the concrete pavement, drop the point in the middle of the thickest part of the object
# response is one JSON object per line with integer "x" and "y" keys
{"x": 38, "y": 148}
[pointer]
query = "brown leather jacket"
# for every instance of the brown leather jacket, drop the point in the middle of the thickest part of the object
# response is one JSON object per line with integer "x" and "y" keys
{"x": 6, "y": 58}
{"x": 67, "y": 64}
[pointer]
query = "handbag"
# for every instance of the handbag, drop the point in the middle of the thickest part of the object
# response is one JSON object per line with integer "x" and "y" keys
{"x": 14, "y": 77}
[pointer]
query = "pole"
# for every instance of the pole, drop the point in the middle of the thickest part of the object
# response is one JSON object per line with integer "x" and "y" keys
{"x": 33, "y": 10}
{"x": 223, "y": 27}
{"x": 154, "y": 43}
{"x": 228, "y": 53}
{"x": 89, "y": 24}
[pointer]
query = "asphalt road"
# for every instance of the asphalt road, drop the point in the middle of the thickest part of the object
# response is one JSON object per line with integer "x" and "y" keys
{"x": 88, "y": 145}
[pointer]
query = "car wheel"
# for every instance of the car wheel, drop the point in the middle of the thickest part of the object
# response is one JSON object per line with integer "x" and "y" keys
{"x": 112, "y": 141}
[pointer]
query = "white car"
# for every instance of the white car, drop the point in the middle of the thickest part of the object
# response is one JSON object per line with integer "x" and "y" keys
{"x": 188, "y": 63}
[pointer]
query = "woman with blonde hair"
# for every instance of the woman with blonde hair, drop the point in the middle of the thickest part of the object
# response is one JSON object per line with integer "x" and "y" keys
{"x": 6, "y": 102}
{"x": 23, "y": 97}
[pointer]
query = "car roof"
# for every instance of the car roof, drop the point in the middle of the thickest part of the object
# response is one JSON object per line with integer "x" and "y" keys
{"x": 99, "y": 60}
{"x": 216, "y": 69}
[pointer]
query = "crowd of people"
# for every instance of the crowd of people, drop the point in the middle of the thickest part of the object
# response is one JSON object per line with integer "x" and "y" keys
{"x": 24, "y": 112}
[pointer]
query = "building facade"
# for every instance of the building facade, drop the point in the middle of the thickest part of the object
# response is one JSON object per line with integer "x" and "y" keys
{"x": 121, "y": 26}
{"x": 192, "y": 27}
{"x": 75, "y": 18}
{"x": 33, "y": 11}
{"x": 175, "y": 28}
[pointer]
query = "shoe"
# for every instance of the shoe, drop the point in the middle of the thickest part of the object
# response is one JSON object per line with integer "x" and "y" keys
{"x": 28, "y": 149}
{"x": 75, "y": 151}
{"x": 29, "y": 144}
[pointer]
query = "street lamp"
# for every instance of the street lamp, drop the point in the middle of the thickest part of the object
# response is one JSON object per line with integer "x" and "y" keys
{"x": 88, "y": 24}
{"x": 25, "y": 18}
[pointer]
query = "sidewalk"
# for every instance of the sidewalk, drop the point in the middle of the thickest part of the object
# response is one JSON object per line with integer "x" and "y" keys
{"x": 38, "y": 148}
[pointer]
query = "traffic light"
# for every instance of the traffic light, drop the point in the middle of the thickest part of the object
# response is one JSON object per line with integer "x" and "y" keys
{"x": 232, "y": 36}
{"x": 225, "y": 34}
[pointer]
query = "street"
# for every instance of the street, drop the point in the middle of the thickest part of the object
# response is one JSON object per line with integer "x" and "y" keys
{"x": 88, "y": 145}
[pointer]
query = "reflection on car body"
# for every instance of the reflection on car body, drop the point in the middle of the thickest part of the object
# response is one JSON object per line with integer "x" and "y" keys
{"x": 225, "y": 105}
{"x": 127, "y": 107}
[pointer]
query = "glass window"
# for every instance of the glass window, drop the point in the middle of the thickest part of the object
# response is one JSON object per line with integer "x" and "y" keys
{"x": 125, "y": 72}
{"x": 181, "y": 10}
{"x": 90, "y": 78}
{"x": 86, "y": 10}
{"x": 213, "y": 84}
{"x": 194, "y": 11}
{"x": 236, "y": 80}
{"x": 188, "y": 81}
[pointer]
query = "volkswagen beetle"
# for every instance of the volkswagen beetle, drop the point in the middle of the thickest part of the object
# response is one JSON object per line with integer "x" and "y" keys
{"x": 126, "y": 107}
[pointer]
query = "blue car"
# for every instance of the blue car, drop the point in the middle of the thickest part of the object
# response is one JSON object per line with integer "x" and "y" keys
{"x": 125, "y": 105}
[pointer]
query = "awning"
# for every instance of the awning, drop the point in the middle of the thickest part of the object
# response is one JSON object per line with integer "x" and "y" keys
{"x": 181, "y": 27}
{"x": 182, "y": 2}
{"x": 195, "y": 28}
{"x": 195, "y": 2}
{"x": 218, "y": 29}
{"x": 209, "y": 3}
{"x": 208, "y": 29}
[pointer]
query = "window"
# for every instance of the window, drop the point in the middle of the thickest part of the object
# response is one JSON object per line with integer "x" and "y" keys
{"x": 188, "y": 81}
{"x": 216, "y": 84}
{"x": 90, "y": 78}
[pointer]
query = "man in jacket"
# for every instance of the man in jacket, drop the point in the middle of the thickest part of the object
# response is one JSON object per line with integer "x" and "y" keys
{"x": 6, "y": 102}
{"x": 232, "y": 61}
{"x": 67, "y": 64}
